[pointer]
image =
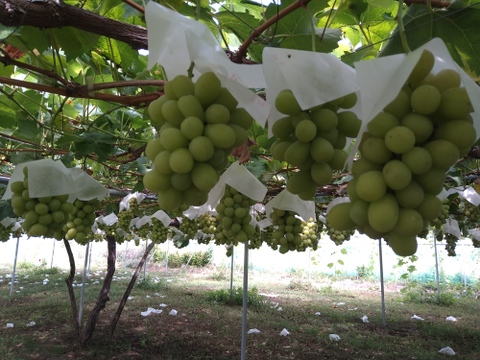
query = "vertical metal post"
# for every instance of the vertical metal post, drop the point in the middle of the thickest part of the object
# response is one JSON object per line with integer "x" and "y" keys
{"x": 82, "y": 293}
{"x": 90, "y": 258}
{"x": 14, "y": 269}
{"x": 166, "y": 256}
{"x": 145, "y": 264}
{"x": 436, "y": 266}
{"x": 231, "y": 273}
{"x": 382, "y": 289}
{"x": 245, "y": 303}
{"x": 53, "y": 252}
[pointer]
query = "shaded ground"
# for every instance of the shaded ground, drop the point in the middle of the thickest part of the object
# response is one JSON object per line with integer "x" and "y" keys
{"x": 204, "y": 330}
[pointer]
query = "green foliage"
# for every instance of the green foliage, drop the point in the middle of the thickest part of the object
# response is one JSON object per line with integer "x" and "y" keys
{"x": 176, "y": 259}
{"x": 223, "y": 297}
{"x": 150, "y": 284}
{"x": 429, "y": 295}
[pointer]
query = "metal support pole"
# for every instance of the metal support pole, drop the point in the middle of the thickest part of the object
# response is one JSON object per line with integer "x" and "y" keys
{"x": 436, "y": 266}
{"x": 145, "y": 264}
{"x": 82, "y": 293}
{"x": 231, "y": 273}
{"x": 14, "y": 269}
{"x": 382, "y": 289}
{"x": 245, "y": 303}
{"x": 166, "y": 256}
{"x": 53, "y": 253}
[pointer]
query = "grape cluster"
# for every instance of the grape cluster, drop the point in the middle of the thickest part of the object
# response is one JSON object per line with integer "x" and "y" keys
{"x": 159, "y": 232}
{"x": 451, "y": 244}
{"x": 233, "y": 218}
{"x": 266, "y": 236}
{"x": 43, "y": 216}
{"x": 438, "y": 222}
{"x": 291, "y": 233}
{"x": 339, "y": 236}
{"x": 405, "y": 154}
{"x": 5, "y": 232}
{"x": 472, "y": 212}
{"x": 313, "y": 140}
{"x": 256, "y": 239}
{"x": 80, "y": 221}
{"x": 188, "y": 227}
{"x": 207, "y": 224}
{"x": 199, "y": 124}
{"x": 126, "y": 216}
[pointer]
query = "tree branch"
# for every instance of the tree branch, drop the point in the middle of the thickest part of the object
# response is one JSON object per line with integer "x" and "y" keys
{"x": 86, "y": 91}
{"x": 56, "y": 14}
{"x": 242, "y": 50}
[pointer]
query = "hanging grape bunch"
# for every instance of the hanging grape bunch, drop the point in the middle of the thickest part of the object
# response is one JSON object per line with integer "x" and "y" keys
{"x": 338, "y": 236}
{"x": 126, "y": 216}
{"x": 313, "y": 140}
{"x": 44, "y": 216}
{"x": 207, "y": 224}
{"x": 256, "y": 239}
{"x": 5, "y": 232}
{"x": 159, "y": 232}
{"x": 188, "y": 227}
{"x": 291, "y": 233}
{"x": 405, "y": 154}
{"x": 198, "y": 124}
{"x": 233, "y": 218}
{"x": 80, "y": 221}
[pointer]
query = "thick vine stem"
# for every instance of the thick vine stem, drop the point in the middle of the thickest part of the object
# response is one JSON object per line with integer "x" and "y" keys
{"x": 130, "y": 286}
{"x": 71, "y": 293}
{"x": 401, "y": 29}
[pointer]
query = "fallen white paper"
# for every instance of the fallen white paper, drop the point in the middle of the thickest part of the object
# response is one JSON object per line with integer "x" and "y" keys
{"x": 173, "y": 312}
{"x": 10, "y": 325}
{"x": 253, "y": 331}
{"x": 151, "y": 310}
{"x": 450, "y": 318}
{"x": 31, "y": 323}
{"x": 364, "y": 318}
{"x": 284, "y": 332}
{"x": 446, "y": 351}
{"x": 318, "y": 313}
{"x": 163, "y": 305}
{"x": 334, "y": 337}
{"x": 417, "y": 317}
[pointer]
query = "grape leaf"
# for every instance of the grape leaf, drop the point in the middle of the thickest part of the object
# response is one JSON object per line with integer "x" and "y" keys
{"x": 459, "y": 29}
{"x": 8, "y": 116}
{"x": 74, "y": 42}
{"x": 95, "y": 143}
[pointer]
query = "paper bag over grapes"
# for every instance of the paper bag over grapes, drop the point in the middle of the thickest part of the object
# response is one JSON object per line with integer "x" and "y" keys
{"x": 421, "y": 115}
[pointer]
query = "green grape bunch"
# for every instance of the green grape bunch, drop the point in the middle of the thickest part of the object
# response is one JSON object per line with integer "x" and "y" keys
{"x": 159, "y": 232}
{"x": 450, "y": 244}
{"x": 313, "y": 140}
{"x": 291, "y": 232}
{"x": 207, "y": 224}
{"x": 199, "y": 124}
{"x": 188, "y": 227}
{"x": 44, "y": 216}
{"x": 80, "y": 221}
{"x": 406, "y": 151}
{"x": 233, "y": 218}
{"x": 338, "y": 236}
{"x": 5, "y": 232}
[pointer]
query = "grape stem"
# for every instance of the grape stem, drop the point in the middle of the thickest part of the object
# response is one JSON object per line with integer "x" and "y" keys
{"x": 401, "y": 29}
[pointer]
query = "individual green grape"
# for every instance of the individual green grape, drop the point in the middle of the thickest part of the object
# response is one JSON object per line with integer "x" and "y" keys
{"x": 444, "y": 153}
{"x": 422, "y": 67}
{"x": 321, "y": 174}
{"x": 455, "y": 103}
{"x": 339, "y": 217}
{"x": 286, "y": 103}
{"x": 349, "y": 101}
{"x": 155, "y": 111}
{"x": 297, "y": 153}
{"x": 410, "y": 196}
{"x": 401, "y": 245}
{"x": 204, "y": 176}
{"x": 381, "y": 124}
{"x": 191, "y": 127}
{"x": 207, "y": 88}
{"x": 383, "y": 213}
{"x": 283, "y": 128}
{"x": 418, "y": 160}
{"x": 221, "y": 135}
{"x": 321, "y": 150}
{"x": 430, "y": 208}
{"x": 241, "y": 135}
{"x": 217, "y": 114}
{"x": 370, "y": 186}
{"x": 359, "y": 212}
{"x": 171, "y": 112}
{"x": 375, "y": 150}
{"x": 396, "y": 174}
{"x": 425, "y": 99}
{"x": 155, "y": 182}
{"x": 226, "y": 99}
{"x": 363, "y": 165}
{"x": 410, "y": 223}
{"x": 162, "y": 163}
{"x": 172, "y": 139}
{"x": 201, "y": 148}
{"x": 399, "y": 139}
{"x": 325, "y": 119}
{"x": 182, "y": 85}
{"x": 420, "y": 125}
{"x": 278, "y": 149}
{"x": 170, "y": 199}
{"x": 181, "y": 161}
{"x": 460, "y": 133}
{"x": 446, "y": 79}
{"x": 432, "y": 181}
{"x": 305, "y": 130}
{"x": 241, "y": 117}
{"x": 338, "y": 160}
{"x": 180, "y": 182}
{"x": 190, "y": 106}
{"x": 298, "y": 181}
{"x": 348, "y": 123}
{"x": 400, "y": 106}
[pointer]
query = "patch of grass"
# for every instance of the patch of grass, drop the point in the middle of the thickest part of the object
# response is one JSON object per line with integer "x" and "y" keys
{"x": 223, "y": 297}
{"x": 151, "y": 284}
{"x": 421, "y": 294}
